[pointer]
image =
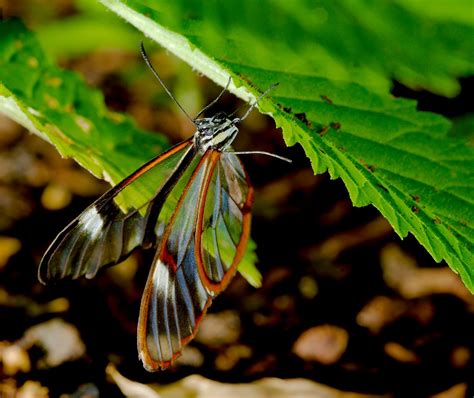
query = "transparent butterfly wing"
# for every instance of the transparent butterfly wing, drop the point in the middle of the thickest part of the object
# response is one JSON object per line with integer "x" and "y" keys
{"x": 106, "y": 233}
{"x": 223, "y": 222}
{"x": 177, "y": 295}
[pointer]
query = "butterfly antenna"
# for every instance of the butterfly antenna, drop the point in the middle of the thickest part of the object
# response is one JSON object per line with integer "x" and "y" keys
{"x": 273, "y": 155}
{"x": 148, "y": 62}
{"x": 251, "y": 107}
{"x": 215, "y": 100}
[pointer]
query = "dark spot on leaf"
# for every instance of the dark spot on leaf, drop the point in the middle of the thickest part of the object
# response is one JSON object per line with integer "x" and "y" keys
{"x": 323, "y": 130}
{"x": 302, "y": 117}
{"x": 335, "y": 125}
{"x": 326, "y": 98}
{"x": 415, "y": 209}
{"x": 436, "y": 220}
{"x": 287, "y": 109}
{"x": 381, "y": 186}
{"x": 416, "y": 198}
{"x": 369, "y": 167}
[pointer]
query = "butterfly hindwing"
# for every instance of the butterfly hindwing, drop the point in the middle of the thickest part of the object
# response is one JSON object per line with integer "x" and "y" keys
{"x": 174, "y": 298}
{"x": 105, "y": 234}
{"x": 223, "y": 223}
{"x": 177, "y": 295}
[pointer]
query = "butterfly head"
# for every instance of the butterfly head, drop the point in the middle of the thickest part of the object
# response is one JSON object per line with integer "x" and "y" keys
{"x": 216, "y": 132}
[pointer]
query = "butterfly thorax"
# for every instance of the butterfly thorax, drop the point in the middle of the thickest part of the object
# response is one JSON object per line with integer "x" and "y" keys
{"x": 217, "y": 132}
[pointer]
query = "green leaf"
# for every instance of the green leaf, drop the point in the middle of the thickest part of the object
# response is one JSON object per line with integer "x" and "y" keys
{"x": 333, "y": 62}
{"x": 463, "y": 127}
{"x": 363, "y": 41}
{"x": 58, "y": 106}
{"x": 78, "y": 35}
{"x": 93, "y": 28}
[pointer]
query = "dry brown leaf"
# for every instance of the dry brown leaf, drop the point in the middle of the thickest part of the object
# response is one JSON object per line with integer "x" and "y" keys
{"x": 14, "y": 205}
{"x": 325, "y": 344}
{"x": 226, "y": 360}
{"x": 402, "y": 274}
{"x": 460, "y": 357}
{"x": 14, "y": 359}
{"x": 56, "y": 197}
{"x": 60, "y": 340}
{"x": 128, "y": 387}
{"x": 196, "y": 386}
{"x": 32, "y": 389}
{"x": 400, "y": 353}
{"x": 8, "y": 388}
{"x": 8, "y": 247}
{"x": 271, "y": 197}
{"x": 308, "y": 287}
{"x": 336, "y": 244}
{"x": 456, "y": 391}
{"x": 337, "y": 212}
{"x": 379, "y": 312}
{"x": 10, "y": 131}
{"x": 31, "y": 307}
{"x": 219, "y": 329}
{"x": 382, "y": 310}
{"x": 191, "y": 356}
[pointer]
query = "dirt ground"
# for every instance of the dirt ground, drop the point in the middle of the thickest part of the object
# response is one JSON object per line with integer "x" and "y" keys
{"x": 344, "y": 302}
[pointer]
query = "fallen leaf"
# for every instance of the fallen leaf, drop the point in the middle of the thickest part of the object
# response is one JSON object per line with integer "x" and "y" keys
{"x": 331, "y": 248}
{"x": 308, "y": 287}
{"x": 400, "y": 353}
{"x": 325, "y": 344}
{"x": 226, "y": 360}
{"x": 460, "y": 357}
{"x": 31, "y": 307}
{"x": 218, "y": 329}
{"x": 382, "y": 311}
{"x": 128, "y": 387}
{"x": 32, "y": 389}
{"x": 88, "y": 390}
{"x": 14, "y": 358}
{"x": 379, "y": 312}
{"x": 196, "y": 386}
{"x": 402, "y": 274}
{"x": 56, "y": 197}
{"x": 60, "y": 340}
{"x": 191, "y": 356}
{"x": 10, "y": 131}
{"x": 456, "y": 391}
{"x": 14, "y": 205}
{"x": 8, "y": 247}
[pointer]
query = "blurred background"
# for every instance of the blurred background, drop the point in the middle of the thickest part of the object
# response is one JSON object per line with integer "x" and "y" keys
{"x": 344, "y": 302}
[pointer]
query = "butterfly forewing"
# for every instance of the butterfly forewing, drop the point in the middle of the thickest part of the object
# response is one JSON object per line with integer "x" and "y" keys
{"x": 106, "y": 232}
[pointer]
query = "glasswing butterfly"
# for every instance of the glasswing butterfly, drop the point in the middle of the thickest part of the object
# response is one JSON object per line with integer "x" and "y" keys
{"x": 197, "y": 244}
